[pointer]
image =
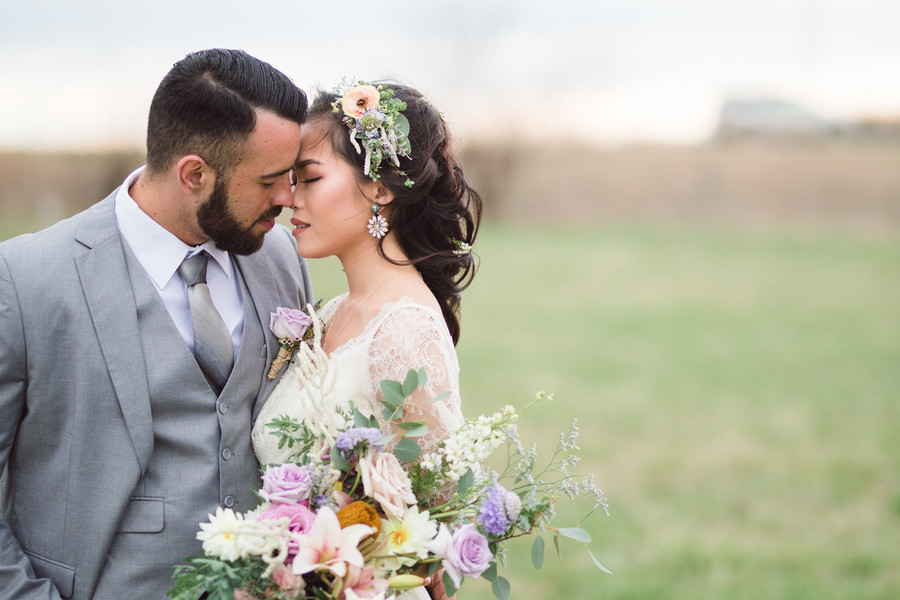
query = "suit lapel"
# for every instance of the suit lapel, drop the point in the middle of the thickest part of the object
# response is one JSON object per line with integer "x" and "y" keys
{"x": 267, "y": 292}
{"x": 103, "y": 273}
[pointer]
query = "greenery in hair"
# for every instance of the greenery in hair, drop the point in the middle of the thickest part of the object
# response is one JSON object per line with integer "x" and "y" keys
{"x": 376, "y": 123}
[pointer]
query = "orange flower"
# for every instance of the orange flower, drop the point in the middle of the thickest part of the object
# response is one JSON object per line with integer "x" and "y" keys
{"x": 360, "y": 99}
{"x": 359, "y": 512}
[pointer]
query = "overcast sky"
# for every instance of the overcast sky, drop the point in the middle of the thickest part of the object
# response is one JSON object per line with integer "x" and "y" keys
{"x": 80, "y": 74}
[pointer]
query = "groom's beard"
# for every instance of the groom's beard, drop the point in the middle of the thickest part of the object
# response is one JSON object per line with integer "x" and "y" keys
{"x": 218, "y": 222}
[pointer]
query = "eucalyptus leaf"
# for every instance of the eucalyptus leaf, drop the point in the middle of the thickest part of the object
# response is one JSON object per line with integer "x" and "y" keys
{"x": 359, "y": 419}
{"x": 338, "y": 461}
{"x": 576, "y": 533}
{"x": 440, "y": 397}
{"x": 411, "y": 383}
{"x": 385, "y": 440}
{"x": 537, "y": 552}
{"x": 390, "y": 414}
{"x": 402, "y": 124}
{"x": 416, "y": 429}
{"x": 597, "y": 562}
{"x": 491, "y": 573}
{"x": 465, "y": 482}
{"x": 407, "y": 450}
{"x": 556, "y": 544}
{"x": 500, "y": 587}
{"x": 449, "y": 588}
{"x": 393, "y": 392}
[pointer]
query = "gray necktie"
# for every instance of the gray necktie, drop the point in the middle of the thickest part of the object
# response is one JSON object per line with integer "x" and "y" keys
{"x": 212, "y": 341}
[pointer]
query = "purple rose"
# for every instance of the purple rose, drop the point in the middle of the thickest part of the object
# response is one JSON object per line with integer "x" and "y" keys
{"x": 300, "y": 521}
{"x": 286, "y": 484}
{"x": 465, "y": 552}
{"x": 289, "y": 323}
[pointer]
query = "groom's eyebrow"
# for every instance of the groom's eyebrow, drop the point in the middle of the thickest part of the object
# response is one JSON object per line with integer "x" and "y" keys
{"x": 276, "y": 174}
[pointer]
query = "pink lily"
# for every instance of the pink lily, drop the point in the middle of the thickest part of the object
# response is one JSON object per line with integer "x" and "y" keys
{"x": 327, "y": 546}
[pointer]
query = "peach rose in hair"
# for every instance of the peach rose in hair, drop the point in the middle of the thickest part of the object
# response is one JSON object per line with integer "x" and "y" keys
{"x": 360, "y": 99}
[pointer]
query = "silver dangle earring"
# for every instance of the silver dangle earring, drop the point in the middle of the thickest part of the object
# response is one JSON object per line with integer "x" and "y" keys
{"x": 378, "y": 226}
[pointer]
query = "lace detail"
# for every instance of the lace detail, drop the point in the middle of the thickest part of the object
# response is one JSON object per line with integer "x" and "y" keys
{"x": 404, "y": 335}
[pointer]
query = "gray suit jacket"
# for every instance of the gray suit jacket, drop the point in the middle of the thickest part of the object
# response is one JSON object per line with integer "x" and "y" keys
{"x": 76, "y": 432}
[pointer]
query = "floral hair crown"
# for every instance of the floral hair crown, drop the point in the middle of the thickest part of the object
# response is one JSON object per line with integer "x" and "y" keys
{"x": 374, "y": 118}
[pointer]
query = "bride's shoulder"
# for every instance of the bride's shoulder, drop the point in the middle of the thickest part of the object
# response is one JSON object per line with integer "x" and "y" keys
{"x": 411, "y": 315}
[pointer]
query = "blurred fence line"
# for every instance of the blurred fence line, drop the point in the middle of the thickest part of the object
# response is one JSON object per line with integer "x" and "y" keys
{"x": 762, "y": 183}
{"x": 41, "y": 188}
{"x": 837, "y": 184}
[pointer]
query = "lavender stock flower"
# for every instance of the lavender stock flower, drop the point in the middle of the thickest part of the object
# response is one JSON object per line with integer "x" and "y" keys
{"x": 351, "y": 438}
{"x": 493, "y": 513}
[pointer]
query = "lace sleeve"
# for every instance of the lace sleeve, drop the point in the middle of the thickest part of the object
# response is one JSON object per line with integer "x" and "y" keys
{"x": 416, "y": 337}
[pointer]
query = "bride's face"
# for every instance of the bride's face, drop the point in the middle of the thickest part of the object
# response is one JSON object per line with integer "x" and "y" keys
{"x": 331, "y": 211}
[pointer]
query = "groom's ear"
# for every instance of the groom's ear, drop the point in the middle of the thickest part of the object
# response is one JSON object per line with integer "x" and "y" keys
{"x": 195, "y": 177}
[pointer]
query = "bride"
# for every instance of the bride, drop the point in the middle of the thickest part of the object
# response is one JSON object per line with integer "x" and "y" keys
{"x": 378, "y": 186}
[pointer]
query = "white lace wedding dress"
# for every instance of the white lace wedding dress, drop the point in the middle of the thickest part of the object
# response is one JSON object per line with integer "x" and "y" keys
{"x": 404, "y": 335}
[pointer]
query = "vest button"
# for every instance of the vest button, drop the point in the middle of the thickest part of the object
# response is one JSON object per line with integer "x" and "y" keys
{"x": 226, "y": 453}
{"x": 223, "y": 408}
{"x": 228, "y": 501}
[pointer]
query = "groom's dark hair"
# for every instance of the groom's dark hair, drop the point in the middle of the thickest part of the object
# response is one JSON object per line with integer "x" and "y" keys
{"x": 205, "y": 106}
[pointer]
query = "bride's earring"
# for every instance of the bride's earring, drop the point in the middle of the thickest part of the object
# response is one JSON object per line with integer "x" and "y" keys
{"x": 378, "y": 226}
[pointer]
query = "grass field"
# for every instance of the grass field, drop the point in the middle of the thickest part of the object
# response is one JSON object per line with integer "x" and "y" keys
{"x": 738, "y": 395}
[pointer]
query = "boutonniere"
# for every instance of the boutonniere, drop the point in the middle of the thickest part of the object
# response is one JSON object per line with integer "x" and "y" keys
{"x": 291, "y": 327}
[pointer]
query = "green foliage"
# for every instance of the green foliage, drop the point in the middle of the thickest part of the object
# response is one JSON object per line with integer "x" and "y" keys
{"x": 407, "y": 450}
{"x": 360, "y": 420}
{"x": 423, "y": 482}
{"x": 449, "y": 588}
{"x": 395, "y": 400}
{"x": 465, "y": 483}
{"x": 575, "y": 533}
{"x": 500, "y": 587}
{"x": 537, "y": 552}
{"x": 217, "y": 577}
{"x": 393, "y": 392}
{"x": 299, "y": 439}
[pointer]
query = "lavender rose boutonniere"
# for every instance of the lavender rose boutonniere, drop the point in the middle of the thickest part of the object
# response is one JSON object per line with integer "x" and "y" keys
{"x": 290, "y": 326}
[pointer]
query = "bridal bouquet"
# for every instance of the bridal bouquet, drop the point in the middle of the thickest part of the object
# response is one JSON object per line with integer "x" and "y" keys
{"x": 355, "y": 513}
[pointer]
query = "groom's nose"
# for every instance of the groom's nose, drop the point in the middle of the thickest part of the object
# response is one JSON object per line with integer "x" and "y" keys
{"x": 284, "y": 195}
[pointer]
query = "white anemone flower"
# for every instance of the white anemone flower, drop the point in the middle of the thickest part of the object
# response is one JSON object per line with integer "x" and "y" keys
{"x": 408, "y": 535}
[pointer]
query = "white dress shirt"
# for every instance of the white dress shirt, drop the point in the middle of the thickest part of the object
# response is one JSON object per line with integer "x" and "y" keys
{"x": 161, "y": 253}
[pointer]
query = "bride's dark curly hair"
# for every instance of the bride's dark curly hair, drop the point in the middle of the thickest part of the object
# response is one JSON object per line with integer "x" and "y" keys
{"x": 429, "y": 218}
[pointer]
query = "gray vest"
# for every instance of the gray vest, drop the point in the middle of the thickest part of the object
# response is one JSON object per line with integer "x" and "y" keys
{"x": 202, "y": 457}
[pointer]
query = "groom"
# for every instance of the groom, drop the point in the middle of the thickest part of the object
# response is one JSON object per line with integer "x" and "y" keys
{"x": 118, "y": 436}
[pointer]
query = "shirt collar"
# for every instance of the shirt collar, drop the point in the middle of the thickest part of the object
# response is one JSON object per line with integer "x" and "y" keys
{"x": 155, "y": 247}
